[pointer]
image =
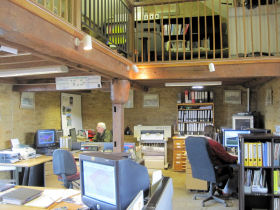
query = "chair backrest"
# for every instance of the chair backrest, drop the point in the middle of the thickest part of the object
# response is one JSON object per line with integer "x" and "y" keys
{"x": 64, "y": 163}
{"x": 197, "y": 151}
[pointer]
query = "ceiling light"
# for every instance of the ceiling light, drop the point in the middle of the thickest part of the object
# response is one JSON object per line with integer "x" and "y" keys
{"x": 211, "y": 67}
{"x": 8, "y": 49}
{"x": 207, "y": 83}
{"x": 87, "y": 42}
{"x": 135, "y": 68}
{"x": 33, "y": 71}
{"x": 197, "y": 87}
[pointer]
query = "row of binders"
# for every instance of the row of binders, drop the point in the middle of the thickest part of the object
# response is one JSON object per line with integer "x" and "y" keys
{"x": 192, "y": 96}
{"x": 192, "y": 128}
{"x": 195, "y": 115}
{"x": 257, "y": 154}
{"x": 276, "y": 161}
{"x": 276, "y": 182}
{"x": 175, "y": 29}
{"x": 255, "y": 181}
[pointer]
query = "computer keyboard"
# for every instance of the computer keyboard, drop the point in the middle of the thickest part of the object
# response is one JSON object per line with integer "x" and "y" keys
{"x": 45, "y": 151}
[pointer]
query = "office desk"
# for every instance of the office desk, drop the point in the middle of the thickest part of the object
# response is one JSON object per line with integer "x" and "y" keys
{"x": 34, "y": 170}
{"x": 70, "y": 206}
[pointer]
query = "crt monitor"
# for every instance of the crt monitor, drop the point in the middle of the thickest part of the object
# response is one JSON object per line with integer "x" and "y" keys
{"x": 45, "y": 138}
{"x": 231, "y": 137}
{"x": 110, "y": 181}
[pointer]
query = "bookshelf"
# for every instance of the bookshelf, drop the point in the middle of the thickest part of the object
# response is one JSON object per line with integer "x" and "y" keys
{"x": 195, "y": 113}
{"x": 182, "y": 35}
{"x": 259, "y": 172}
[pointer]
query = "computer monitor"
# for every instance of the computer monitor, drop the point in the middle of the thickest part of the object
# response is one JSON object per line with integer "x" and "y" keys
{"x": 45, "y": 138}
{"x": 231, "y": 137}
{"x": 110, "y": 181}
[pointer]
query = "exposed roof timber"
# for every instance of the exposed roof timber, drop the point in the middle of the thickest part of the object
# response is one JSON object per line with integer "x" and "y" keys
{"x": 49, "y": 35}
{"x": 19, "y": 59}
{"x": 159, "y": 2}
{"x": 137, "y": 86}
{"x": 256, "y": 82}
{"x": 56, "y": 60}
{"x": 199, "y": 72}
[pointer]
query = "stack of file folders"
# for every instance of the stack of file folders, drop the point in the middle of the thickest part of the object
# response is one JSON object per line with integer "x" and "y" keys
{"x": 257, "y": 154}
{"x": 255, "y": 181}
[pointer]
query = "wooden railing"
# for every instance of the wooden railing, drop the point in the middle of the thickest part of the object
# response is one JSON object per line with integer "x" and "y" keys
{"x": 182, "y": 31}
{"x": 210, "y": 29}
{"x": 69, "y": 10}
{"x": 108, "y": 20}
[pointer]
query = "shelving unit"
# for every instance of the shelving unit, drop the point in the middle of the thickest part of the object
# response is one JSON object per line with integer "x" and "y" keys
{"x": 193, "y": 117}
{"x": 257, "y": 196}
{"x": 181, "y": 37}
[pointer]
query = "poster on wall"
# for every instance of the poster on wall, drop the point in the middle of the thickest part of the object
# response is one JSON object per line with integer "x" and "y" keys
{"x": 71, "y": 112}
{"x": 27, "y": 100}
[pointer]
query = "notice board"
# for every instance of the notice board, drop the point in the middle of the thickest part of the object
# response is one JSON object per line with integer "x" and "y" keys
{"x": 71, "y": 112}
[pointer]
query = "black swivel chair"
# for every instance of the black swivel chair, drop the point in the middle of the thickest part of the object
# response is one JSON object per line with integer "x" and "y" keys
{"x": 202, "y": 167}
{"x": 65, "y": 167}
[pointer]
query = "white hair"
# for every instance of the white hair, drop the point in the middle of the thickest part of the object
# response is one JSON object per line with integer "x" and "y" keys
{"x": 102, "y": 125}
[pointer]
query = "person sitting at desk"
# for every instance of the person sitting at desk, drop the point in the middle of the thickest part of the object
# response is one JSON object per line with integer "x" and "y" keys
{"x": 102, "y": 134}
{"x": 220, "y": 156}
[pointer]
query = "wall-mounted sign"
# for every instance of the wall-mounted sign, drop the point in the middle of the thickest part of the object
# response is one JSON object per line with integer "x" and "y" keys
{"x": 78, "y": 83}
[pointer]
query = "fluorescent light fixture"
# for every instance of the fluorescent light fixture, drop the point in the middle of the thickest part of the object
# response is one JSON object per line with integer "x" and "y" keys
{"x": 8, "y": 49}
{"x": 87, "y": 42}
{"x": 197, "y": 87}
{"x": 211, "y": 67}
{"x": 33, "y": 71}
{"x": 206, "y": 83}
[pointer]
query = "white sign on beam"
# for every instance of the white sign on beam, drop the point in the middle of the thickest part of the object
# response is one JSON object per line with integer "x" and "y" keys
{"x": 78, "y": 83}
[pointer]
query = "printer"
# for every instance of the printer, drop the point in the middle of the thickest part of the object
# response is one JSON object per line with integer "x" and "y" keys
{"x": 25, "y": 151}
{"x": 153, "y": 141}
{"x": 7, "y": 156}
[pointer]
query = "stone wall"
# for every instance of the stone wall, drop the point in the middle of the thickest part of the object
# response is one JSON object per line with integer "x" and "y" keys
{"x": 270, "y": 112}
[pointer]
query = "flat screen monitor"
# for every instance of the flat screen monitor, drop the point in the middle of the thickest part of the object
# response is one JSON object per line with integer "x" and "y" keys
{"x": 231, "y": 137}
{"x": 45, "y": 138}
{"x": 110, "y": 181}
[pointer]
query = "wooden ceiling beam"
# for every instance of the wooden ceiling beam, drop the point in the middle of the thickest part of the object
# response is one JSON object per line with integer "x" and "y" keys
{"x": 223, "y": 71}
{"x": 58, "y": 61}
{"x": 19, "y": 59}
{"x": 34, "y": 88}
{"x": 24, "y": 28}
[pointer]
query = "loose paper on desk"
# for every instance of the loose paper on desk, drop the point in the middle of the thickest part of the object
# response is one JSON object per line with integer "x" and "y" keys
{"x": 50, "y": 196}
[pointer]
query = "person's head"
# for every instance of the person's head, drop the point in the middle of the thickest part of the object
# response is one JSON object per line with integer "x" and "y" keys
{"x": 209, "y": 131}
{"x": 101, "y": 126}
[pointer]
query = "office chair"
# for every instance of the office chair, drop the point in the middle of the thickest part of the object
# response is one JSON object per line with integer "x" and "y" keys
{"x": 202, "y": 167}
{"x": 64, "y": 166}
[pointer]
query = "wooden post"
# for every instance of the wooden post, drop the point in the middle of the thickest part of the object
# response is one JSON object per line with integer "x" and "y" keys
{"x": 119, "y": 96}
{"x": 130, "y": 35}
{"x": 77, "y": 16}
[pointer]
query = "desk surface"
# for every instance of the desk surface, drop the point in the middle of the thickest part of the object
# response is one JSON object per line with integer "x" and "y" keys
{"x": 29, "y": 162}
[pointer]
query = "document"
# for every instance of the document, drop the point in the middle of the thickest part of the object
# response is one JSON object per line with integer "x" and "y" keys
{"x": 20, "y": 196}
{"x": 49, "y": 196}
